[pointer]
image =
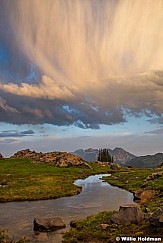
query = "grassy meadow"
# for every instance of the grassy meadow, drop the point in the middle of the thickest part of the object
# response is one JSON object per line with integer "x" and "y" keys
{"x": 20, "y": 179}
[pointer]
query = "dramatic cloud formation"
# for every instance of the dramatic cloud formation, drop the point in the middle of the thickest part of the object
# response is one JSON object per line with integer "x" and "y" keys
{"x": 80, "y": 62}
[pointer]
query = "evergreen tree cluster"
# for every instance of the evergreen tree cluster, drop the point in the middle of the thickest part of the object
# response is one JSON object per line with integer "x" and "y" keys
{"x": 104, "y": 156}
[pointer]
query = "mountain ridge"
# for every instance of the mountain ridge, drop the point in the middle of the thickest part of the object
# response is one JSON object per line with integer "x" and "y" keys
{"x": 123, "y": 157}
{"x": 150, "y": 161}
{"x": 120, "y": 155}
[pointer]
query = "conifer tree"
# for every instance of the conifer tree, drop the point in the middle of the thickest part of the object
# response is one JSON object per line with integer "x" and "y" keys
{"x": 104, "y": 156}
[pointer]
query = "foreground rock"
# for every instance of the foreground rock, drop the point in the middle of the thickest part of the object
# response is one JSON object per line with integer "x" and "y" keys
{"x": 128, "y": 214}
{"x": 143, "y": 195}
{"x": 47, "y": 225}
{"x": 61, "y": 159}
{"x": 157, "y": 218}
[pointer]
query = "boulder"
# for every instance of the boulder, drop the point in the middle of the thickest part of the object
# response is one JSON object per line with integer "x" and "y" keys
{"x": 143, "y": 195}
{"x": 154, "y": 176}
{"x": 49, "y": 224}
{"x": 128, "y": 214}
{"x": 114, "y": 166}
{"x": 104, "y": 226}
{"x": 157, "y": 218}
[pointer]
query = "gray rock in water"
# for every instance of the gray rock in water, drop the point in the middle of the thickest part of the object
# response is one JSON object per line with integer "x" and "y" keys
{"x": 128, "y": 214}
{"x": 157, "y": 218}
{"x": 49, "y": 224}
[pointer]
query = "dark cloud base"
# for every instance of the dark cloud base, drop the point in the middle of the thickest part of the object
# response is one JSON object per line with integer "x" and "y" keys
{"x": 27, "y": 110}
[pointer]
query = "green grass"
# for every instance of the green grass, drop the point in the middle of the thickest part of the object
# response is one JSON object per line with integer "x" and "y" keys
{"x": 24, "y": 180}
{"x": 89, "y": 231}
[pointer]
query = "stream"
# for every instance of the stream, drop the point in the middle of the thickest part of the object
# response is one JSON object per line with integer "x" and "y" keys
{"x": 96, "y": 196}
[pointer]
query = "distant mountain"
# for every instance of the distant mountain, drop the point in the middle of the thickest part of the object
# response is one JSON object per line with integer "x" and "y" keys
{"x": 120, "y": 155}
{"x": 88, "y": 154}
{"x": 148, "y": 161}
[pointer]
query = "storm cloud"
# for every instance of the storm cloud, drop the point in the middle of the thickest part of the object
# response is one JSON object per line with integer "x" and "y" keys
{"x": 80, "y": 62}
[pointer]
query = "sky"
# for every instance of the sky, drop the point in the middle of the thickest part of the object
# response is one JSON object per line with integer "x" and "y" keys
{"x": 80, "y": 74}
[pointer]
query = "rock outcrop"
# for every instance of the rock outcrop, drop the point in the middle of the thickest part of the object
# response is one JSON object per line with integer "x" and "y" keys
{"x": 60, "y": 159}
{"x": 47, "y": 225}
{"x": 157, "y": 218}
{"x": 128, "y": 214}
